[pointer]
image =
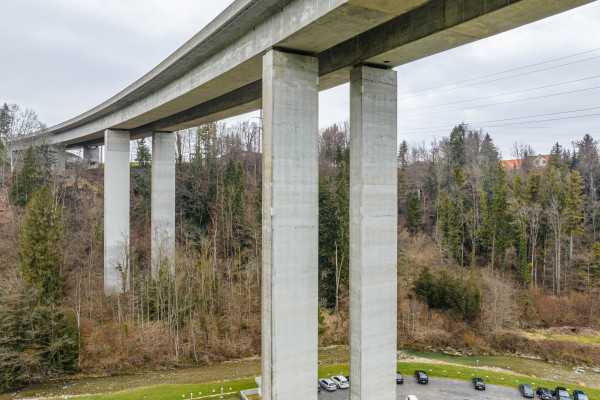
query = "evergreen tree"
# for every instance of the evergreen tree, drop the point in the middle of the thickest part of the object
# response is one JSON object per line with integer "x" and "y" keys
{"x": 27, "y": 181}
{"x": 423, "y": 285}
{"x": 403, "y": 155}
{"x": 589, "y": 161}
{"x": 143, "y": 156}
{"x": 472, "y": 300}
{"x": 414, "y": 221}
{"x": 447, "y": 293}
{"x": 456, "y": 146}
{"x": 498, "y": 217}
{"x": 39, "y": 247}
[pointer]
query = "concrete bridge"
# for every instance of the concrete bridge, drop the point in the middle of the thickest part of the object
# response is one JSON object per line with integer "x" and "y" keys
{"x": 277, "y": 55}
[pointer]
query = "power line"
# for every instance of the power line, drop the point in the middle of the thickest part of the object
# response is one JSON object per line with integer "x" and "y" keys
{"x": 499, "y": 79}
{"x": 512, "y": 119}
{"x": 503, "y": 102}
{"x": 502, "y": 72}
{"x": 502, "y": 94}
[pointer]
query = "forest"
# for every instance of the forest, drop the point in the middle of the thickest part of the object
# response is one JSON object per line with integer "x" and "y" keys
{"x": 486, "y": 251}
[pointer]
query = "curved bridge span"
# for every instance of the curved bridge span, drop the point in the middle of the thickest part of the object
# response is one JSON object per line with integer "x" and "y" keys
{"x": 277, "y": 55}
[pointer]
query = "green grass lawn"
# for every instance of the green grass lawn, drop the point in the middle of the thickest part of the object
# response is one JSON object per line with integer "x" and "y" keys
{"x": 174, "y": 392}
{"x": 573, "y": 338}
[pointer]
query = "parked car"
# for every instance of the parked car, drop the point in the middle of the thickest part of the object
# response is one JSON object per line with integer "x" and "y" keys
{"x": 526, "y": 391}
{"x": 478, "y": 384}
{"x": 579, "y": 395}
{"x": 421, "y": 376}
{"x": 544, "y": 393}
{"x": 341, "y": 382}
{"x": 411, "y": 397}
{"x": 560, "y": 393}
{"x": 399, "y": 378}
{"x": 327, "y": 384}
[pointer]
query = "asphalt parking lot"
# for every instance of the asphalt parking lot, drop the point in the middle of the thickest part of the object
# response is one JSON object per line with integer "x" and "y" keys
{"x": 439, "y": 388}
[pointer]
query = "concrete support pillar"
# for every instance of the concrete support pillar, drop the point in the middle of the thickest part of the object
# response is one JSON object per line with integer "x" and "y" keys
{"x": 373, "y": 233}
{"x": 290, "y": 227}
{"x": 116, "y": 211}
{"x": 91, "y": 157}
{"x": 163, "y": 202}
{"x": 59, "y": 154}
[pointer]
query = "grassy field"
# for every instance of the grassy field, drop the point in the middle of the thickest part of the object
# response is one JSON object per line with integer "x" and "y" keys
{"x": 171, "y": 392}
{"x": 581, "y": 339}
{"x": 239, "y": 375}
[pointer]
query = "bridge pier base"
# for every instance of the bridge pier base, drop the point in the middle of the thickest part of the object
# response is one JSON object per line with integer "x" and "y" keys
{"x": 163, "y": 202}
{"x": 91, "y": 157}
{"x": 373, "y": 233}
{"x": 116, "y": 211}
{"x": 290, "y": 227}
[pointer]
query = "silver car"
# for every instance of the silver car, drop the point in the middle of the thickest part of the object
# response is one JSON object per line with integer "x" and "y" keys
{"x": 328, "y": 384}
{"x": 341, "y": 382}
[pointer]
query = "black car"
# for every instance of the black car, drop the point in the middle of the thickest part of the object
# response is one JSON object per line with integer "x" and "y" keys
{"x": 579, "y": 395}
{"x": 421, "y": 377}
{"x": 543, "y": 393}
{"x": 560, "y": 393}
{"x": 526, "y": 391}
{"x": 399, "y": 378}
{"x": 478, "y": 384}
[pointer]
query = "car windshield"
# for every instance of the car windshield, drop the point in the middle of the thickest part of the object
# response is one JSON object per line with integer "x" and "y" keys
{"x": 582, "y": 397}
{"x": 563, "y": 393}
{"x": 478, "y": 380}
{"x": 527, "y": 388}
{"x": 545, "y": 390}
{"x": 398, "y": 374}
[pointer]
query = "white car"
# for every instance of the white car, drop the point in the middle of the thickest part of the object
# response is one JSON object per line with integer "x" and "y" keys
{"x": 341, "y": 382}
{"x": 328, "y": 384}
{"x": 411, "y": 397}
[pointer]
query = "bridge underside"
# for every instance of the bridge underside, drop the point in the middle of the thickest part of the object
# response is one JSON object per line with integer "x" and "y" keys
{"x": 205, "y": 85}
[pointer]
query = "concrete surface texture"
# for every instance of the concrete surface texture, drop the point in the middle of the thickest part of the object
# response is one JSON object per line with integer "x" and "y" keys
{"x": 91, "y": 157}
{"x": 290, "y": 227}
{"x": 373, "y": 233}
{"x": 116, "y": 210}
{"x": 163, "y": 202}
{"x": 197, "y": 82}
{"x": 60, "y": 157}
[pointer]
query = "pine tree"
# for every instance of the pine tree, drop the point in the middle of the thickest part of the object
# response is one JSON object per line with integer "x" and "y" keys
{"x": 414, "y": 222}
{"x": 497, "y": 216}
{"x": 27, "y": 181}
{"x": 40, "y": 248}
{"x": 402, "y": 155}
{"x": 143, "y": 156}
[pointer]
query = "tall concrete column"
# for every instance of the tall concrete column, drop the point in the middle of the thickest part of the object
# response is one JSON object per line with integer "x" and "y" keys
{"x": 91, "y": 157}
{"x": 290, "y": 227}
{"x": 60, "y": 157}
{"x": 373, "y": 233}
{"x": 163, "y": 201}
{"x": 116, "y": 210}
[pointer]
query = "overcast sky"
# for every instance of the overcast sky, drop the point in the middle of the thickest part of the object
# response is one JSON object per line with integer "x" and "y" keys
{"x": 63, "y": 57}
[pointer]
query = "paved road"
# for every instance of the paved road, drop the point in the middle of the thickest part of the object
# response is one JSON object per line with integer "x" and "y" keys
{"x": 440, "y": 388}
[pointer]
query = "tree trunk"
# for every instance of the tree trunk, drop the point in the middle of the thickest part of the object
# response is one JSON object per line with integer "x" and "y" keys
{"x": 493, "y": 252}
